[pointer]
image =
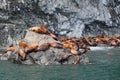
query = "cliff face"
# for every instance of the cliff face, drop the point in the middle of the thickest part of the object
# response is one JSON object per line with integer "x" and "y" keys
{"x": 63, "y": 17}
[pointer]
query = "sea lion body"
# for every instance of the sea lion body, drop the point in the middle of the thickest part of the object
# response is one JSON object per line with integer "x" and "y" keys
{"x": 11, "y": 48}
{"x": 76, "y": 61}
{"x": 43, "y": 47}
{"x": 31, "y": 47}
{"x": 23, "y": 44}
{"x": 55, "y": 45}
{"x": 22, "y": 54}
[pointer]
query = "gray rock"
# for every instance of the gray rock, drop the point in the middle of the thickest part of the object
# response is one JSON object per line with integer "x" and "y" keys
{"x": 10, "y": 34}
{"x": 7, "y": 56}
{"x": 64, "y": 17}
{"x": 32, "y": 37}
{"x": 47, "y": 57}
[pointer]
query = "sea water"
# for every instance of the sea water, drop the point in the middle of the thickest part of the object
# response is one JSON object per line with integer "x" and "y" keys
{"x": 105, "y": 66}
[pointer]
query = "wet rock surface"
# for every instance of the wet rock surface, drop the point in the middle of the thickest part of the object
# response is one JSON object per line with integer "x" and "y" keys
{"x": 63, "y": 17}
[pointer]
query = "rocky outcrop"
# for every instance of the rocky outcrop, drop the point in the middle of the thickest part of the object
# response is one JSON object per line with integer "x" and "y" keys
{"x": 40, "y": 46}
{"x": 48, "y": 56}
{"x": 64, "y": 17}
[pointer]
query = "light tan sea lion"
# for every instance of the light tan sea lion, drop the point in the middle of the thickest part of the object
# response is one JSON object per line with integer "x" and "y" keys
{"x": 55, "y": 45}
{"x": 74, "y": 52}
{"x": 22, "y": 54}
{"x": 43, "y": 30}
{"x": 113, "y": 42}
{"x": 76, "y": 61}
{"x": 11, "y": 48}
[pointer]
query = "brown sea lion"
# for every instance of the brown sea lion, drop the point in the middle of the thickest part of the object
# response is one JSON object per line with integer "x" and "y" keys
{"x": 63, "y": 58}
{"x": 67, "y": 45}
{"x": 113, "y": 42}
{"x": 82, "y": 51}
{"x": 98, "y": 41}
{"x": 90, "y": 41}
{"x": 115, "y": 37}
{"x": 118, "y": 40}
{"x": 53, "y": 36}
{"x": 101, "y": 36}
{"x": 35, "y": 29}
{"x": 42, "y": 29}
{"x": 28, "y": 47}
{"x": 102, "y": 40}
{"x": 105, "y": 40}
{"x": 23, "y": 44}
{"x": 74, "y": 45}
{"x": 83, "y": 45}
{"x": 62, "y": 39}
{"x": 46, "y": 31}
{"x": 31, "y": 47}
{"x": 74, "y": 39}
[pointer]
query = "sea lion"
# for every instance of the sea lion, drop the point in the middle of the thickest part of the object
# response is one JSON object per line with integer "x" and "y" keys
{"x": 23, "y": 44}
{"x": 66, "y": 45}
{"x": 87, "y": 40}
{"x": 118, "y": 40}
{"x": 74, "y": 45}
{"x": 62, "y": 39}
{"x": 28, "y": 47}
{"x": 98, "y": 41}
{"x": 74, "y": 39}
{"x": 101, "y": 39}
{"x": 22, "y": 54}
{"x": 83, "y": 46}
{"x": 11, "y": 48}
{"x": 82, "y": 51}
{"x": 63, "y": 58}
{"x": 113, "y": 42}
{"x": 43, "y": 47}
{"x": 35, "y": 29}
{"x": 115, "y": 37}
{"x": 56, "y": 45}
{"x": 105, "y": 40}
{"x": 31, "y": 47}
{"x": 74, "y": 52}
{"x": 43, "y": 30}
{"x": 46, "y": 31}
{"x": 77, "y": 60}
{"x": 54, "y": 36}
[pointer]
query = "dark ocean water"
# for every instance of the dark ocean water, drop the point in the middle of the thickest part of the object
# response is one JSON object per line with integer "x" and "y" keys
{"x": 106, "y": 66}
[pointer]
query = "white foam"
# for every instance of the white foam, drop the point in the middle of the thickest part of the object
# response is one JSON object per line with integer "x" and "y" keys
{"x": 100, "y": 48}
